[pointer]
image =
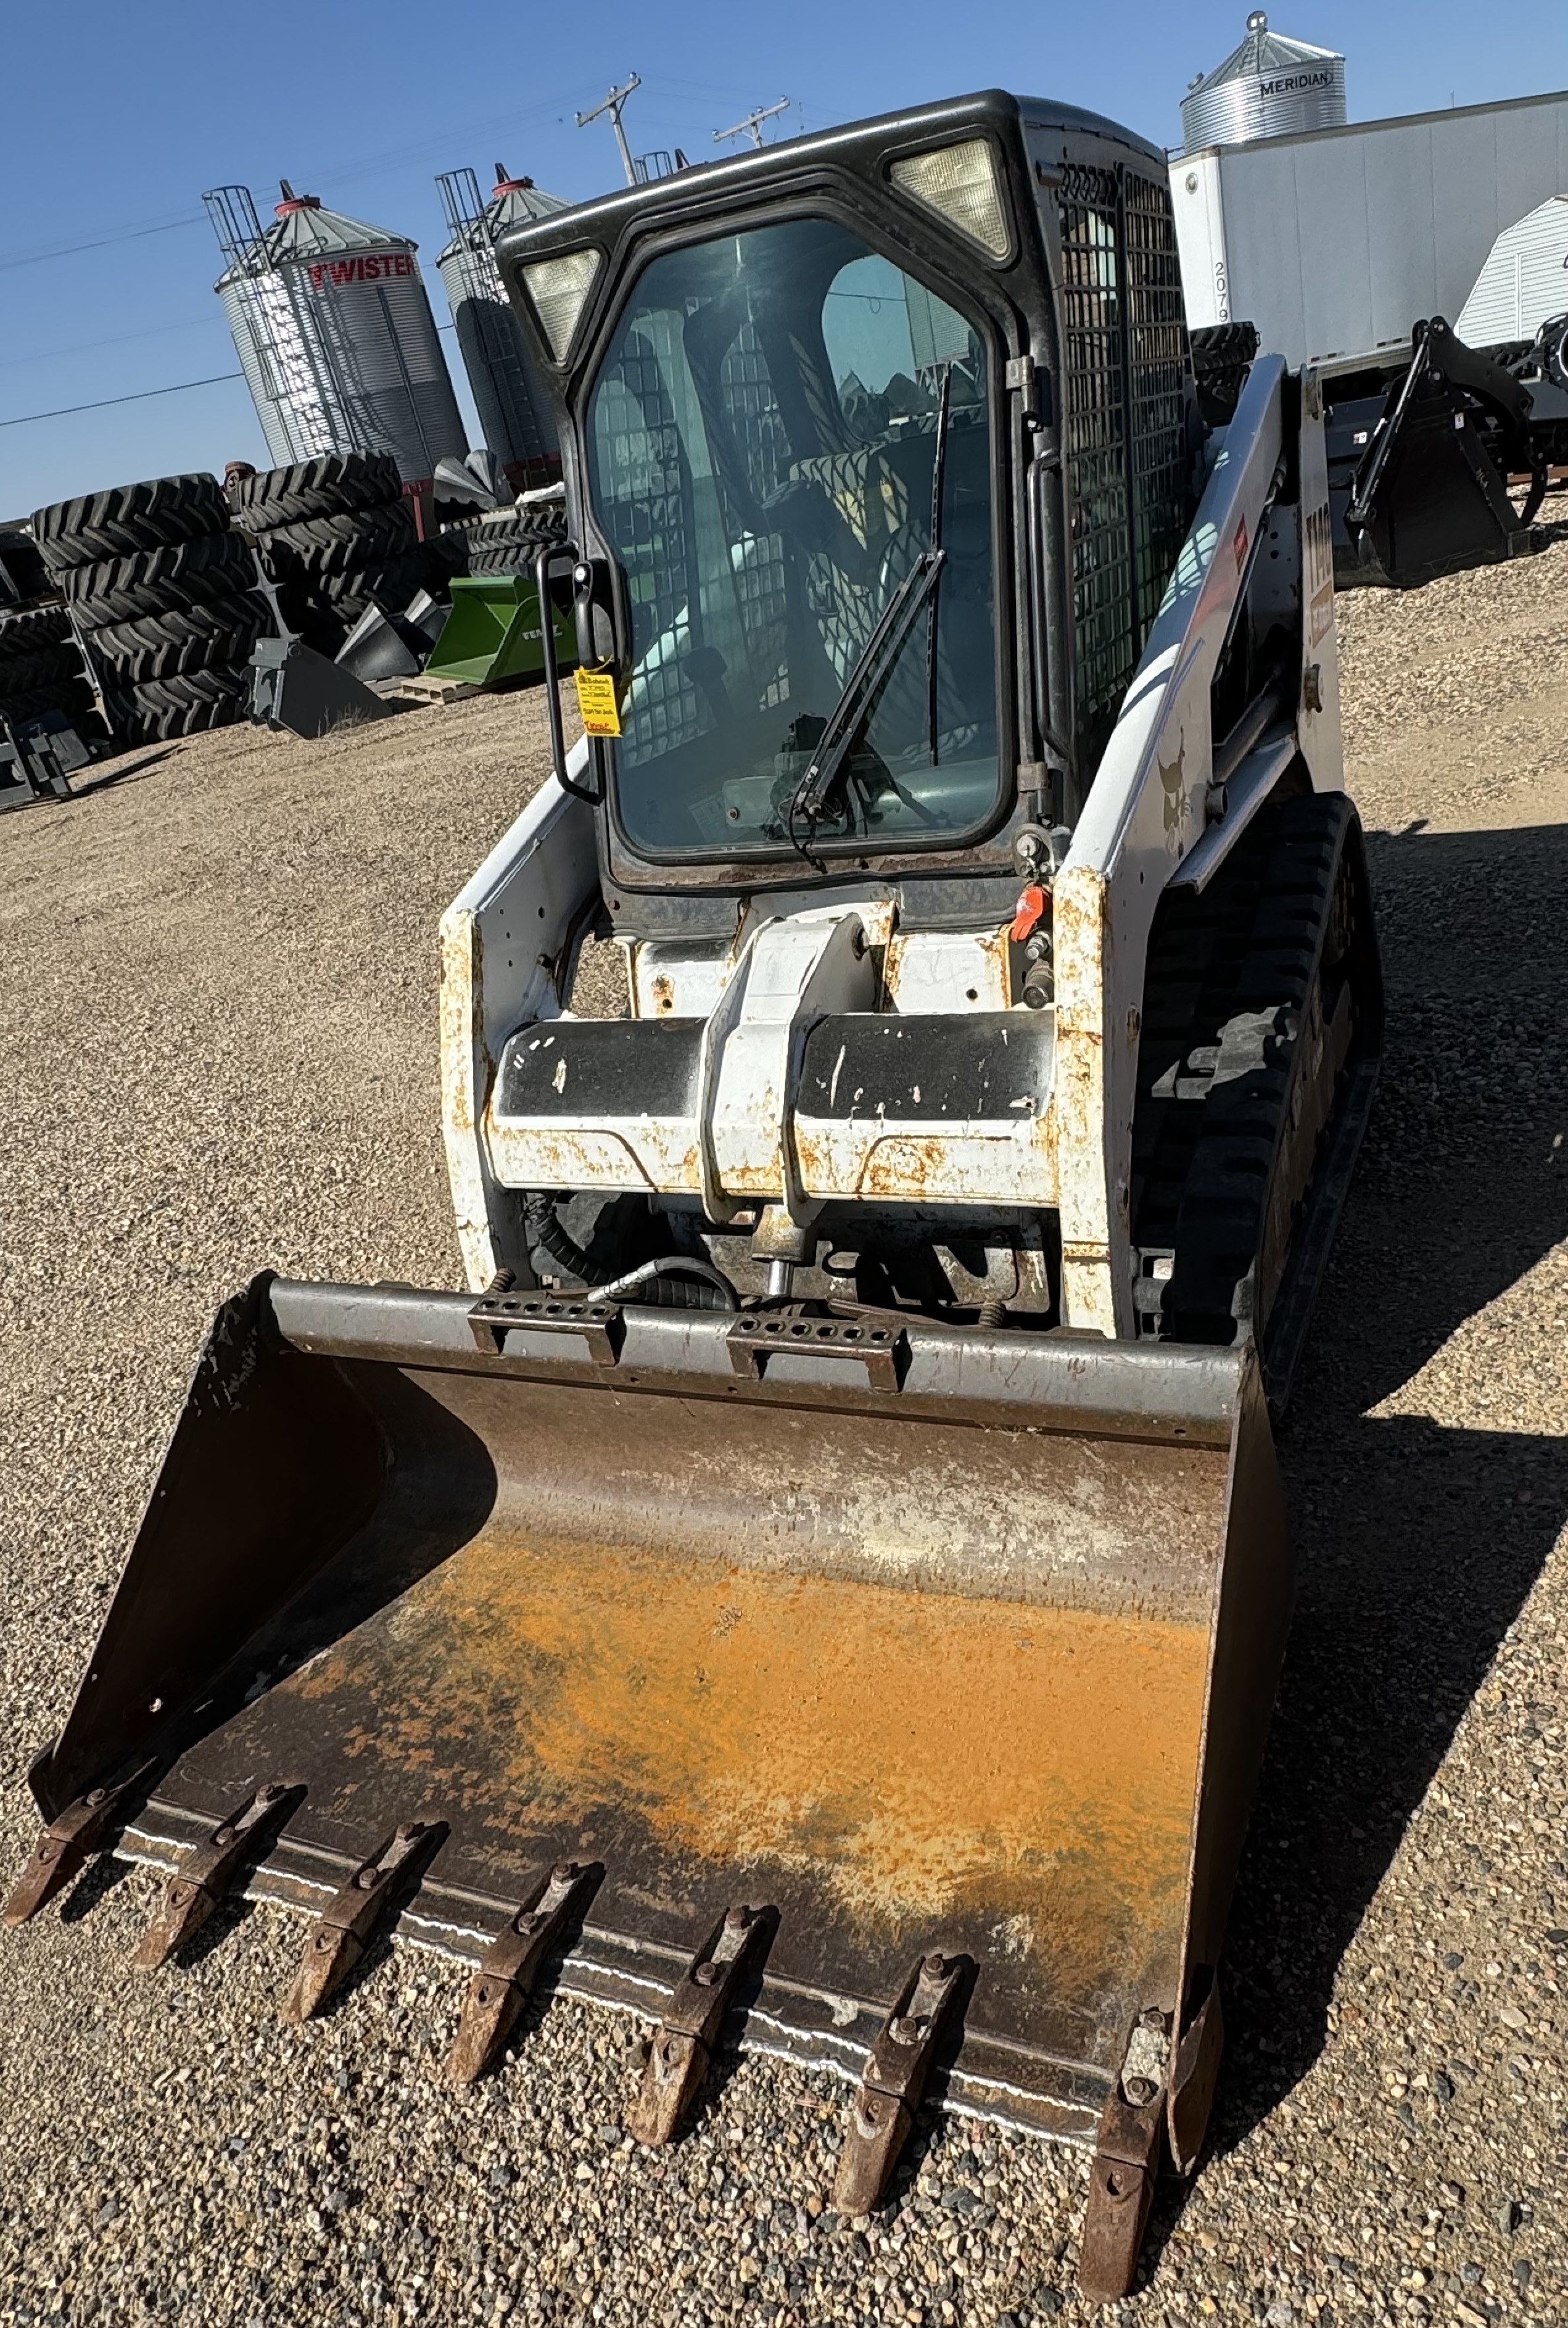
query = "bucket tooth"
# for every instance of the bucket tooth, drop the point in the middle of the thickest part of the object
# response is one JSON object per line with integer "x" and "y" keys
{"x": 208, "y": 1872}
{"x": 510, "y": 1966}
{"x": 1194, "y": 2076}
{"x": 1127, "y": 2150}
{"x": 346, "y": 1925}
{"x": 684, "y": 2040}
{"x": 882, "y": 2113}
{"x": 66, "y": 1845}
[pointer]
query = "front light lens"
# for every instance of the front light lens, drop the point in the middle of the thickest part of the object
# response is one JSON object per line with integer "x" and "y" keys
{"x": 960, "y": 182}
{"x": 558, "y": 288}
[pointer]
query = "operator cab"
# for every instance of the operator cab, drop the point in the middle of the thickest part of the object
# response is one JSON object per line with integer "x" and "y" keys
{"x": 877, "y": 450}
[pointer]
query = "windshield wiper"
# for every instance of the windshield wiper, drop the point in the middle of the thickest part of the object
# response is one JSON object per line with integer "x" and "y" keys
{"x": 918, "y": 590}
{"x": 815, "y": 790}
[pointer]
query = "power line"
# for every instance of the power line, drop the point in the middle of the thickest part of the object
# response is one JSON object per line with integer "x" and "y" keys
{"x": 69, "y": 249}
{"x": 175, "y": 387}
{"x": 368, "y": 166}
{"x": 118, "y": 340}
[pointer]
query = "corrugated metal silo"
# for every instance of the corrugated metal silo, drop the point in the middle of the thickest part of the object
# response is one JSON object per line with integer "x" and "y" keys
{"x": 335, "y": 334}
{"x": 514, "y": 402}
{"x": 1270, "y": 87}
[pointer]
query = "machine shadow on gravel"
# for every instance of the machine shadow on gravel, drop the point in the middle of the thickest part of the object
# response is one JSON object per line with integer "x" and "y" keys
{"x": 1417, "y": 1544}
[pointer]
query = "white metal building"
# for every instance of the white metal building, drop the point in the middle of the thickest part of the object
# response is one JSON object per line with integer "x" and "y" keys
{"x": 1525, "y": 280}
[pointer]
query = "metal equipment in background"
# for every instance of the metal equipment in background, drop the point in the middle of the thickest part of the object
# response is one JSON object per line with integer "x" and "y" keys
{"x": 826, "y": 1575}
{"x": 389, "y": 645}
{"x": 1269, "y": 87}
{"x": 508, "y": 391}
{"x": 494, "y": 638}
{"x": 1435, "y": 464}
{"x": 38, "y": 759}
{"x": 1421, "y": 469}
{"x": 334, "y": 335}
{"x": 291, "y": 687}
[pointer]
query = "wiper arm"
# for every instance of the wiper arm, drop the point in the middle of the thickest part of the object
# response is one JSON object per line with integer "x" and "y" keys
{"x": 882, "y": 650}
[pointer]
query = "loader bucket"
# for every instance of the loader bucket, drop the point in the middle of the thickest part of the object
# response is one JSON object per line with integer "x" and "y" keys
{"x": 491, "y": 636}
{"x": 933, "y": 1642}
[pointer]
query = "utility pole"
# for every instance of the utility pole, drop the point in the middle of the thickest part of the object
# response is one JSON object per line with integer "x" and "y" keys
{"x": 753, "y": 124}
{"x": 612, "y": 105}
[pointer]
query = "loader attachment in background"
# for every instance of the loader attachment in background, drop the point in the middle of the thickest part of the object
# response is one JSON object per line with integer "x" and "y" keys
{"x": 491, "y": 637}
{"x": 950, "y": 1652}
{"x": 1430, "y": 491}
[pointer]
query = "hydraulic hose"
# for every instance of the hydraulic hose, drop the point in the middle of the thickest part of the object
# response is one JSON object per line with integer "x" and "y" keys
{"x": 672, "y": 1281}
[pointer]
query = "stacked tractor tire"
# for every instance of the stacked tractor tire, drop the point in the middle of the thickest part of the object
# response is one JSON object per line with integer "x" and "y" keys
{"x": 334, "y": 534}
{"x": 163, "y": 591}
{"x": 40, "y": 666}
{"x": 509, "y": 542}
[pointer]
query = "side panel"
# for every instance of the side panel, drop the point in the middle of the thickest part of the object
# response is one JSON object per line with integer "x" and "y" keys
{"x": 1146, "y": 809}
{"x": 500, "y": 940}
{"x": 1318, "y": 719}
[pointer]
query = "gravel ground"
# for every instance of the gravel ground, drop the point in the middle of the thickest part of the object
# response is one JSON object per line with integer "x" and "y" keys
{"x": 217, "y": 1052}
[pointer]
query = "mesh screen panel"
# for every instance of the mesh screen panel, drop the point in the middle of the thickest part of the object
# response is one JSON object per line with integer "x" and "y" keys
{"x": 1124, "y": 354}
{"x": 1097, "y": 417}
{"x": 1158, "y": 323}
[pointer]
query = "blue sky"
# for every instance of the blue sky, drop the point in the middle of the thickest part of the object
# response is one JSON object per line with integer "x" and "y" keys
{"x": 117, "y": 118}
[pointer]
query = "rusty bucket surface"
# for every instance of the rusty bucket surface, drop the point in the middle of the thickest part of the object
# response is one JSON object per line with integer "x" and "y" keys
{"x": 971, "y": 1648}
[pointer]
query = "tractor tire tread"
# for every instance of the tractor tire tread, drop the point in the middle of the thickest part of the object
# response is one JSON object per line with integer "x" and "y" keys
{"x": 124, "y": 520}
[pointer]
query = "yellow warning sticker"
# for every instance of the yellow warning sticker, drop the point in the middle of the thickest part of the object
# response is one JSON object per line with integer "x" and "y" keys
{"x": 596, "y": 702}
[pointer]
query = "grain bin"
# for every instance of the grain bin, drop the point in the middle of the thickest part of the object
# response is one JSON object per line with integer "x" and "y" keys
{"x": 335, "y": 334}
{"x": 1267, "y": 87}
{"x": 514, "y": 402}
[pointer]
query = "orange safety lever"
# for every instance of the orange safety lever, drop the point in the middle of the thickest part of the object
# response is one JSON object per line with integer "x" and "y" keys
{"x": 1031, "y": 909}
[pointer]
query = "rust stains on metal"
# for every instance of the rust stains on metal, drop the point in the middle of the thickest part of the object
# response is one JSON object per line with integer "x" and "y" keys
{"x": 909, "y": 1752}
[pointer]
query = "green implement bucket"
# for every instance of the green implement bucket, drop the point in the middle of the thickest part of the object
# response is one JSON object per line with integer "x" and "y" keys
{"x": 491, "y": 637}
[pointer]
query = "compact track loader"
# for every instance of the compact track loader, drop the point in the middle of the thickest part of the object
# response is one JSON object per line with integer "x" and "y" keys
{"x": 826, "y": 1576}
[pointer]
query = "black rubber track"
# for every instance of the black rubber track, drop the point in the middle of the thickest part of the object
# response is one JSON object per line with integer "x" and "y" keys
{"x": 1230, "y": 978}
{"x": 328, "y": 486}
{"x": 341, "y": 544}
{"x": 179, "y": 706}
{"x": 183, "y": 638}
{"x": 124, "y": 519}
{"x": 191, "y": 573}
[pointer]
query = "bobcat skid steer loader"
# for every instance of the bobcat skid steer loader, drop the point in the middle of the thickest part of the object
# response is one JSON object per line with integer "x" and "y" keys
{"x": 825, "y": 1578}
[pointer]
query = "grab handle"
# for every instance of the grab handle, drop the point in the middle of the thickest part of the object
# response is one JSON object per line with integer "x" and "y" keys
{"x": 549, "y": 553}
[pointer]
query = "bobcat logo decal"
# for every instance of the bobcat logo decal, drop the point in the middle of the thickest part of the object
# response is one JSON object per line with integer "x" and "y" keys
{"x": 1172, "y": 776}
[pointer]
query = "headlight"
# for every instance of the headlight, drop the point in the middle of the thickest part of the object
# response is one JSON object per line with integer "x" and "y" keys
{"x": 960, "y": 182}
{"x": 557, "y": 288}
